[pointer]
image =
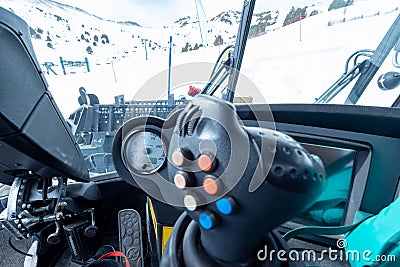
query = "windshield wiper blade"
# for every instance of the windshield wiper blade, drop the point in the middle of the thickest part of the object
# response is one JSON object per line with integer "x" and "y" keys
{"x": 240, "y": 45}
{"x": 372, "y": 65}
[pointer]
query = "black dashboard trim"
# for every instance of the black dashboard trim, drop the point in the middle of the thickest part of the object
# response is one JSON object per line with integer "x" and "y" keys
{"x": 363, "y": 119}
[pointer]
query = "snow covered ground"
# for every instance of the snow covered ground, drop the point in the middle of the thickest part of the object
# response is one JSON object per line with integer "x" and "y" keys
{"x": 288, "y": 70}
{"x": 283, "y": 67}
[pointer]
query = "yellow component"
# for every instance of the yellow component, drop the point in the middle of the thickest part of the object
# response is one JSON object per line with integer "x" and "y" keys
{"x": 166, "y": 230}
{"x": 153, "y": 217}
{"x": 166, "y": 233}
{"x": 226, "y": 54}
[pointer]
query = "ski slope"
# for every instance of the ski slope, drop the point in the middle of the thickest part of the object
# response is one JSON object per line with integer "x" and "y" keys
{"x": 288, "y": 70}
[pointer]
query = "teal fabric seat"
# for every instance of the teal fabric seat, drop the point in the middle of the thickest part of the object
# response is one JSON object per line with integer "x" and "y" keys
{"x": 376, "y": 237}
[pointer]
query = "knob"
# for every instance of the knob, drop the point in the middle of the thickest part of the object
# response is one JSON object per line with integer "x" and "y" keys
{"x": 92, "y": 229}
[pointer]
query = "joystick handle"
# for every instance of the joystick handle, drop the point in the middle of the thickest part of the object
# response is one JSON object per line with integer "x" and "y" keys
{"x": 244, "y": 181}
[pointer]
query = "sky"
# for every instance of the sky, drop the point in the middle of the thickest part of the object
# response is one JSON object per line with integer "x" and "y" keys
{"x": 156, "y": 13}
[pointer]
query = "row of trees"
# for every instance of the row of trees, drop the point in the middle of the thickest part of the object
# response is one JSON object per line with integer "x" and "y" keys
{"x": 295, "y": 15}
{"x": 258, "y": 28}
{"x": 188, "y": 47}
{"x": 339, "y": 4}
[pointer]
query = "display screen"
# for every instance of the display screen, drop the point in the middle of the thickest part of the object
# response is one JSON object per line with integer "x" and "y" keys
{"x": 146, "y": 160}
{"x": 329, "y": 209}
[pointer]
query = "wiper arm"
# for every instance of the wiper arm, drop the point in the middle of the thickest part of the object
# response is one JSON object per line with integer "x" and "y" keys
{"x": 231, "y": 67}
{"x": 216, "y": 80}
{"x": 240, "y": 45}
{"x": 372, "y": 65}
{"x": 347, "y": 77}
{"x": 221, "y": 67}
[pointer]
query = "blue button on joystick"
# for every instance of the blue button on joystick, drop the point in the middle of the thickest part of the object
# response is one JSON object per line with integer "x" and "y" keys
{"x": 225, "y": 205}
{"x": 206, "y": 221}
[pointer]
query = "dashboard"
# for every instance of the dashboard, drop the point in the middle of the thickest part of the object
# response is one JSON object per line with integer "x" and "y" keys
{"x": 360, "y": 148}
{"x": 370, "y": 134}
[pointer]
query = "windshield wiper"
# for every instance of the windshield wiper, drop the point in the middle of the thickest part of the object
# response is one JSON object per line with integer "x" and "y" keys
{"x": 240, "y": 45}
{"x": 231, "y": 67}
{"x": 373, "y": 64}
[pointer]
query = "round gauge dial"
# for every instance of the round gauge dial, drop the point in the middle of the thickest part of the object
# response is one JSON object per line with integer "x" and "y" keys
{"x": 144, "y": 152}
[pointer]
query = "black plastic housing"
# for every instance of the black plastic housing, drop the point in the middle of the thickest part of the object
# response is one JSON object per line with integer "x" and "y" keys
{"x": 33, "y": 134}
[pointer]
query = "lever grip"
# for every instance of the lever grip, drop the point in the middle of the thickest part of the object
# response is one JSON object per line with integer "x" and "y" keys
{"x": 240, "y": 182}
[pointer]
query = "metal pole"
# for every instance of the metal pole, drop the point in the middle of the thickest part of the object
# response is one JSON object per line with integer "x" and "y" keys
{"x": 87, "y": 64}
{"x": 145, "y": 47}
{"x": 115, "y": 76}
{"x": 62, "y": 65}
{"x": 169, "y": 66}
{"x": 300, "y": 26}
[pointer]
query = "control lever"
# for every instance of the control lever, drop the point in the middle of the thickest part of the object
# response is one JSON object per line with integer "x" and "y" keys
{"x": 92, "y": 229}
{"x": 54, "y": 238}
{"x": 239, "y": 183}
{"x": 30, "y": 221}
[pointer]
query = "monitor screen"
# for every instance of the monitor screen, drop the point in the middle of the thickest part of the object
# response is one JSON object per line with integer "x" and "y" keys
{"x": 331, "y": 206}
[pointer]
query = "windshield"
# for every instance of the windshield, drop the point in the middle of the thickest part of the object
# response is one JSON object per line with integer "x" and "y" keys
{"x": 104, "y": 52}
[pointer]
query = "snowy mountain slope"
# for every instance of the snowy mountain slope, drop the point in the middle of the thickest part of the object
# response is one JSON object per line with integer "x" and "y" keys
{"x": 55, "y": 27}
{"x": 283, "y": 67}
{"x": 293, "y": 70}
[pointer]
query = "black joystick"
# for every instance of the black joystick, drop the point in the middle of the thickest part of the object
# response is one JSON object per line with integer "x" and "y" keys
{"x": 238, "y": 183}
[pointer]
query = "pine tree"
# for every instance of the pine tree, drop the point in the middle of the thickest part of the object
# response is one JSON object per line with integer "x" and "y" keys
{"x": 294, "y": 15}
{"x": 218, "y": 40}
{"x": 339, "y": 4}
{"x": 89, "y": 50}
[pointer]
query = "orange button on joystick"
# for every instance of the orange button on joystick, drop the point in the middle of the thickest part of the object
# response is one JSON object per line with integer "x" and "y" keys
{"x": 210, "y": 186}
{"x": 205, "y": 163}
